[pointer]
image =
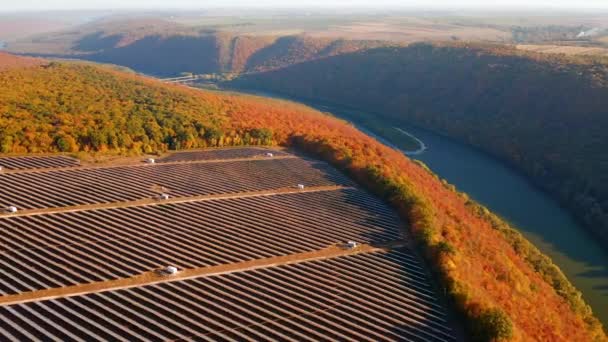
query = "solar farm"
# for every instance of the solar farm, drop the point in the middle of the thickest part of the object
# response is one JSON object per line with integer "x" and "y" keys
{"x": 221, "y": 244}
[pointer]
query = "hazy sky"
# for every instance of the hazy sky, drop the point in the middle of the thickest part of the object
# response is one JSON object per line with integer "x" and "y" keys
{"x": 17, "y": 5}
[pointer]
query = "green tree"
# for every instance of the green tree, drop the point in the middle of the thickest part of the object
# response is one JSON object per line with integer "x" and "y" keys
{"x": 493, "y": 325}
{"x": 263, "y": 135}
{"x": 66, "y": 143}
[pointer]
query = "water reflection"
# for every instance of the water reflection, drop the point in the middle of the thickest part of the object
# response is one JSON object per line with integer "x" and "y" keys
{"x": 552, "y": 229}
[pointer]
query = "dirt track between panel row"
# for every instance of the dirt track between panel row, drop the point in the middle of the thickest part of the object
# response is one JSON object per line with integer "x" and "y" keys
{"x": 152, "y": 201}
{"x": 152, "y": 277}
{"x": 138, "y": 162}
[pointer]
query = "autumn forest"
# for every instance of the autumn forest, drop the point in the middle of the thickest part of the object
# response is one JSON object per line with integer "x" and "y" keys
{"x": 77, "y": 108}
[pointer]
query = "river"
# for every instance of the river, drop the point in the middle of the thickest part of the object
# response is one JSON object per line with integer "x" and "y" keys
{"x": 511, "y": 195}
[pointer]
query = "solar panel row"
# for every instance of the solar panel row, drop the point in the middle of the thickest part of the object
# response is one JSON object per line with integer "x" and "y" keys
{"x": 366, "y": 297}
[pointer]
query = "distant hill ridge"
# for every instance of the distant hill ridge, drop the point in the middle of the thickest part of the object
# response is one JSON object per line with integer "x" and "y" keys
{"x": 163, "y": 48}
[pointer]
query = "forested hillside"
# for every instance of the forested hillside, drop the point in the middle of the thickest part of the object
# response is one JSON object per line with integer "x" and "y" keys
{"x": 71, "y": 108}
{"x": 503, "y": 287}
{"x": 545, "y": 116}
{"x": 217, "y": 53}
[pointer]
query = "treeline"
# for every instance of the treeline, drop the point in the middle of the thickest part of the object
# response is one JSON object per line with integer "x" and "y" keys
{"x": 544, "y": 115}
{"x": 511, "y": 294}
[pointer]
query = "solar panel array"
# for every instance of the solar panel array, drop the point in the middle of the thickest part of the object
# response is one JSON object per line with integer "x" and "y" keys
{"x": 60, "y": 188}
{"x": 368, "y": 297}
{"x": 54, "y": 250}
{"x": 227, "y": 153}
{"x": 383, "y": 295}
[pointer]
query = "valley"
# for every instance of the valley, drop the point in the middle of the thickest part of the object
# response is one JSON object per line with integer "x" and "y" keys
{"x": 393, "y": 177}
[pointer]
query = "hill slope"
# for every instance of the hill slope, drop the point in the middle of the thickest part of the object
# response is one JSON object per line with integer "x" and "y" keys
{"x": 519, "y": 294}
{"x": 8, "y": 61}
{"x": 163, "y": 48}
{"x": 545, "y": 117}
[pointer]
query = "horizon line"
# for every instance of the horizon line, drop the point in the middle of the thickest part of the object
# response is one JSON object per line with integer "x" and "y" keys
{"x": 489, "y": 8}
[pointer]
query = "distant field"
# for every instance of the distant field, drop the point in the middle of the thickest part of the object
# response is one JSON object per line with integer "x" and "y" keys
{"x": 567, "y": 50}
{"x": 15, "y": 28}
{"x": 57, "y": 35}
{"x": 399, "y": 26}
{"x": 366, "y": 27}
{"x": 413, "y": 31}
{"x": 264, "y": 23}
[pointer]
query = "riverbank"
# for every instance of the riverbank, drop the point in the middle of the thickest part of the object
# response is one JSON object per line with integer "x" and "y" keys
{"x": 550, "y": 227}
{"x": 505, "y": 192}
